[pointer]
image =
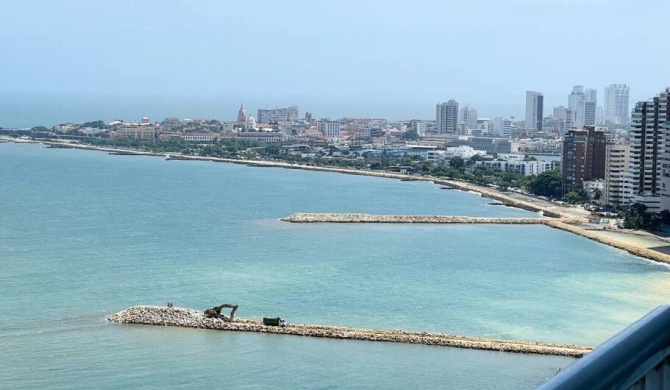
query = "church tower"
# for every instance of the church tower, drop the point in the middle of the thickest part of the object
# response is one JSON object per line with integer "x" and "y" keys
{"x": 241, "y": 115}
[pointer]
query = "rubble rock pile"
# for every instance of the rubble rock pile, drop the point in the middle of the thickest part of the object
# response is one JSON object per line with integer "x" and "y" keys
{"x": 370, "y": 218}
{"x": 189, "y": 318}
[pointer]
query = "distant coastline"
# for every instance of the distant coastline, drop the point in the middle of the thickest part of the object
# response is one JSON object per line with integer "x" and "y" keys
{"x": 563, "y": 218}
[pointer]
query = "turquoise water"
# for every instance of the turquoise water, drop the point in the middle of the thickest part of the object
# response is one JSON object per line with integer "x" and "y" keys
{"x": 84, "y": 234}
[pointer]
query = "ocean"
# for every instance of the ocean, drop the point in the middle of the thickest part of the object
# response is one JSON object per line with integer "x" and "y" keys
{"x": 84, "y": 234}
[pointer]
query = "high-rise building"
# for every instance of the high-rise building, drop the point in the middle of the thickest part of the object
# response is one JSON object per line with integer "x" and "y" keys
{"x": 584, "y": 104}
{"x": 534, "y": 107}
{"x": 616, "y": 103}
{"x": 502, "y": 127}
{"x": 600, "y": 116}
{"x": 566, "y": 116}
{"x": 648, "y": 136}
{"x": 650, "y": 181}
{"x": 575, "y": 97}
{"x": 591, "y": 95}
{"x": 285, "y": 115}
{"x": 588, "y": 108}
{"x": 446, "y": 115}
{"x": 419, "y": 126}
{"x": 468, "y": 116}
{"x": 617, "y": 178}
{"x": 583, "y": 157}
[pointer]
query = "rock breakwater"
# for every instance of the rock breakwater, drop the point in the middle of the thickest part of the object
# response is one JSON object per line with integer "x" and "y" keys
{"x": 566, "y": 224}
{"x": 632, "y": 249}
{"x": 371, "y": 218}
{"x": 190, "y": 318}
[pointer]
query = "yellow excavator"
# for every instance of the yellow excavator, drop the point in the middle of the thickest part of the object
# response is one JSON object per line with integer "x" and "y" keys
{"x": 215, "y": 312}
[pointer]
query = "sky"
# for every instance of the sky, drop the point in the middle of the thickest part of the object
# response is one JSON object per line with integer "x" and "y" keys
{"x": 78, "y": 60}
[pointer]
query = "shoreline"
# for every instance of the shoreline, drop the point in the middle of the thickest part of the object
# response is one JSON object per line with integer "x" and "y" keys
{"x": 563, "y": 218}
{"x": 190, "y": 318}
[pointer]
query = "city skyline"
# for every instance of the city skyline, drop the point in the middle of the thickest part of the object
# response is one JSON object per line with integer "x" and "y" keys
{"x": 74, "y": 63}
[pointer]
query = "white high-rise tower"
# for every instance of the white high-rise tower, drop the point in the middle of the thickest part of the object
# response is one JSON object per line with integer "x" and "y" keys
{"x": 534, "y": 110}
{"x": 617, "y": 103}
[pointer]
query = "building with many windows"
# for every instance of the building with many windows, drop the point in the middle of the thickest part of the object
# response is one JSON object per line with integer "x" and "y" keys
{"x": 261, "y": 136}
{"x": 649, "y": 156}
{"x": 487, "y": 144}
{"x": 617, "y": 191}
{"x": 566, "y": 118}
{"x": 330, "y": 129}
{"x": 526, "y": 168}
{"x": 616, "y": 103}
{"x": 468, "y": 116}
{"x": 534, "y": 110}
{"x": 446, "y": 115}
{"x": 285, "y": 115}
{"x": 584, "y": 105}
{"x": 584, "y": 154}
{"x": 136, "y": 132}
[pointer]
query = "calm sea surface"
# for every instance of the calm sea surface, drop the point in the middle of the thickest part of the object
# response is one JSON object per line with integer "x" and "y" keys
{"x": 84, "y": 234}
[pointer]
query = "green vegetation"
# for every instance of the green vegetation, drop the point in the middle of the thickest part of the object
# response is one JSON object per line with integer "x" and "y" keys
{"x": 575, "y": 197}
{"x": 636, "y": 217}
{"x": 410, "y": 135}
{"x": 546, "y": 184}
{"x": 95, "y": 124}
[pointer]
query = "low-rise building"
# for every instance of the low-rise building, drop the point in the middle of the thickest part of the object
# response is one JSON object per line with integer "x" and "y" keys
{"x": 261, "y": 136}
{"x": 197, "y": 137}
{"x": 594, "y": 188}
{"x": 330, "y": 129}
{"x": 136, "y": 132}
{"x": 526, "y": 168}
{"x": 464, "y": 152}
{"x": 487, "y": 144}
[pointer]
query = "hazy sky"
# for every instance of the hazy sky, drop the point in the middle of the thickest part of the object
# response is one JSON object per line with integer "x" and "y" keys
{"x": 75, "y": 60}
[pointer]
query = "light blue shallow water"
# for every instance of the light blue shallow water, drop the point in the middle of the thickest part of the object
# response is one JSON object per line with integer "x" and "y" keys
{"x": 84, "y": 234}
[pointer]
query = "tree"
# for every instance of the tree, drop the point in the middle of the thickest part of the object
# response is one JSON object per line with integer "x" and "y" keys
{"x": 664, "y": 216}
{"x": 410, "y": 135}
{"x": 574, "y": 197}
{"x": 457, "y": 162}
{"x": 636, "y": 217}
{"x": 40, "y": 129}
{"x": 597, "y": 194}
{"x": 547, "y": 183}
{"x": 96, "y": 124}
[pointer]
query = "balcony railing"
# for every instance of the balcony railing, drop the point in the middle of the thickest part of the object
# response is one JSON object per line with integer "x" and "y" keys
{"x": 636, "y": 358}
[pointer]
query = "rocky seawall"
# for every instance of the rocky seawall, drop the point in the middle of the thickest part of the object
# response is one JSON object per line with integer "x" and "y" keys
{"x": 190, "y": 318}
{"x": 371, "y": 218}
{"x": 566, "y": 224}
{"x": 632, "y": 249}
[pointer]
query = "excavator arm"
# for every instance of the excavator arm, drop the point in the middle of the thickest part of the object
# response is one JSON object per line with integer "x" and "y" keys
{"x": 215, "y": 312}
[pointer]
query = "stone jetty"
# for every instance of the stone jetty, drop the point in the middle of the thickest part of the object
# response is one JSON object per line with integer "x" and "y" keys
{"x": 632, "y": 249}
{"x": 566, "y": 224}
{"x": 190, "y": 318}
{"x": 371, "y": 218}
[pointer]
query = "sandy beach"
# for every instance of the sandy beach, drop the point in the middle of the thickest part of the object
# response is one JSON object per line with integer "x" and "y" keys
{"x": 638, "y": 238}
